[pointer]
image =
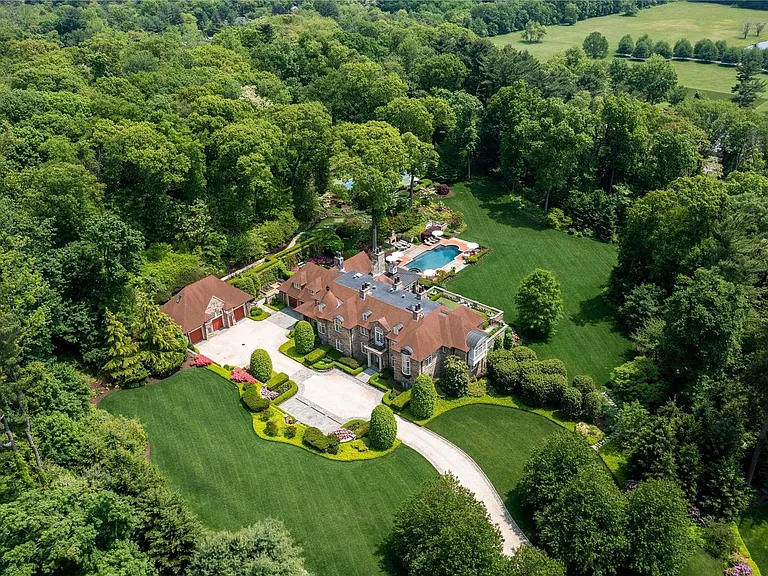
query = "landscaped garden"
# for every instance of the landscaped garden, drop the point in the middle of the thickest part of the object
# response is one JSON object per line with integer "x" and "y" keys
{"x": 586, "y": 339}
{"x": 202, "y": 439}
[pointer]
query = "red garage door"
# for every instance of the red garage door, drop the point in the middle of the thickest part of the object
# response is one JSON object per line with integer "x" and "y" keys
{"x": 218, "y": 323}
{"x": 240, "y": 313}
{"x": 292, "y": 302}
{"x": 196, "y": 335}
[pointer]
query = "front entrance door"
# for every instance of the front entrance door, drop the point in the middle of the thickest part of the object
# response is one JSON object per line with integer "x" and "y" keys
{"x": 374, "y": 361}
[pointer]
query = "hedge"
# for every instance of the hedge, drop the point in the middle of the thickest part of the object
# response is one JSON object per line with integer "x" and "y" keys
{"x": 276, "y": 380}
{"x": 348, "y": 370}
{"x": 288, "y": 393}
{"x": 314, "y": 356}
{"x": 253, "y": 401}
{"x": 539, "y": 389}
{"x": 522, "y": 354}
{"x": 401, "y": 400}
{"x": 570, "y": 403}
{"x": 584, "y": 384}
{"x": 347, "y": 361}
{"x": 314, "y": 438}
{"x": 383, "y": 428}
{"x": 261, "y": 365}
{"x": 219, "y": 370}
{"x": 553, "y": 366}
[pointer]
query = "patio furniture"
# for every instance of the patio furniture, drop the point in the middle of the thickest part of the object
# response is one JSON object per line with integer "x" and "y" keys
{"x": 437, "y": 233}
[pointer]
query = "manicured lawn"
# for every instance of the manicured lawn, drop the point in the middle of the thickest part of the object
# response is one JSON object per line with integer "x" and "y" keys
{"x": 702, "y": 564}
{"x": 754, "y": 531}
{"x": 500, "y": 440}
{"x": 670, "y": 22}
{"x": 586, "y": 339}
{"x": 202, "y": 440}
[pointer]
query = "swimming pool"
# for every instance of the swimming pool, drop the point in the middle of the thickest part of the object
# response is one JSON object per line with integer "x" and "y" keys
{"x": 434, "y": 258}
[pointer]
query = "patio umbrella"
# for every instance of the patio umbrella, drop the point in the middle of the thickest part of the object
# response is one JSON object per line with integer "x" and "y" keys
{"x": 472, "y": 245}
{"x": 397, "y": 255}
{"x": 437, "y": 233}
{"x": 429, "y": 272}
{"x": 392, "y": 258}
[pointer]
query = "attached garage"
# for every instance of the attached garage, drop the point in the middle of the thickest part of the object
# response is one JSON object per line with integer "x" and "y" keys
{"x": 196, "y": 335}
{"x": 292, "y": 302}
{"x": 239, "y": 313}
{"x": 218, "y": 323}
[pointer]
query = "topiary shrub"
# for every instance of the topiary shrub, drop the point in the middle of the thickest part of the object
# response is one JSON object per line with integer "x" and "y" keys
{"x": 383, "y": 428}
{"x": 584, "y": 384}
{"x": 532, "y": 391}
{"x": 253, "y": 401}
{"x": 303, "y": 337}
{"x": 277, "y": 381}
{"x": 593, "y": 405}
{"x": 314, "y": 438}
{"x": 505, "y": 376}
{"x": 570, "y": 403}
{"x": 455, "y": 377}
{"x": 423, "y": 397}
{"x": 289, "y": 431}
{"x": 522, "y": 354}
{"x": 272, "y": 428}
{"x": 261, "y": 365}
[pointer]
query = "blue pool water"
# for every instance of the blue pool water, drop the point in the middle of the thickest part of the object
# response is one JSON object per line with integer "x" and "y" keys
{"x": 435, "y": 258}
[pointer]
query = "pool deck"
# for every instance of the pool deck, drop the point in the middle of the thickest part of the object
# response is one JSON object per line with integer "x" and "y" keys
{"x": 458, "y": 263}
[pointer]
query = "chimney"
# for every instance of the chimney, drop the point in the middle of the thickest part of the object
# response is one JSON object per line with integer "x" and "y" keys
{"x": 378, "y": 263}
{"x": 397, "y": 284}
{"x": 338, "y": 261}
{"x": 417, "y": 312}
{"x": 364, "y": 288}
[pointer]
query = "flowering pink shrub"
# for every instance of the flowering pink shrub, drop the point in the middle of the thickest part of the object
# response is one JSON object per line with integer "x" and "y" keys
{"x": 268, "y": 394}
{"x": 240, "y": 375}
{"x": 344, "y": 434}
{"x": 738, "y": 567}
{"x": 200, "y": 361}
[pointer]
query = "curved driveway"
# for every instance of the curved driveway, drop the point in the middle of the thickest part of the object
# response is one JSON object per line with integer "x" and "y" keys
{"x": 327, "y": 399}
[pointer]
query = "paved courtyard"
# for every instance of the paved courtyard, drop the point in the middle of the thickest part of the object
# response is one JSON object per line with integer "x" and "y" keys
{"x": 234, "y": 345}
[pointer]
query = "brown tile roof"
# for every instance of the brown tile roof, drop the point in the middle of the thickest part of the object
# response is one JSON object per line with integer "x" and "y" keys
{"x": 188, "y": 306}
{"x": 442, "y": 327}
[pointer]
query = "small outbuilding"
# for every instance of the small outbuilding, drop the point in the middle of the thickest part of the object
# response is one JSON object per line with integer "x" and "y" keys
{"x": 207, "y": 306}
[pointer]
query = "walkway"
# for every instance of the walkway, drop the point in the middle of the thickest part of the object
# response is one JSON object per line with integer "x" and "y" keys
{"x": 447, "y": 457}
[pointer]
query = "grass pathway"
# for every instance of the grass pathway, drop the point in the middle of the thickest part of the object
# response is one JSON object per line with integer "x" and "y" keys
{"x": 586, "y": 339}
{"x": 202, "y": 440}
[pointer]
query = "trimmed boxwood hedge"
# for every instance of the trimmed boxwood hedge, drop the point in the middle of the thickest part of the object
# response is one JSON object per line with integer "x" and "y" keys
{"x": 401, "y": 400}
{"x": 570, "y": 403}
{"x": 383, "y": 428}
{"x": 314, "y": 356}
{"x": 276, "y": 380}
{"x": 292, "y": 389}
{"x": 253, "y": 401}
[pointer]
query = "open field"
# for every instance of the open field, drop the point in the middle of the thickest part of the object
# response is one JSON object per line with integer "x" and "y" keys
{"x": 586, "y": 339}
{"x": 670, "y": 22}
{"x": 754, "y": 531}
{"x": 500, "y": 440}
{"x": 202, "y": 440}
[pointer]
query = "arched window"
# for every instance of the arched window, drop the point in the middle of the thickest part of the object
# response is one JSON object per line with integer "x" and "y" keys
{"x": 405, "y": 361}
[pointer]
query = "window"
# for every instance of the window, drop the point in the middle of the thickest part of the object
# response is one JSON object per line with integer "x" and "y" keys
{"x": 406, "y": 364}
{"x": 338, "y": 345}
{"x": 363, "y": 331}
{"x": 337, "y": 324}
{"x": 478, "y": 352}
{"x": 397, "y": 328}
{"x": 297, "y": 286}
{"x": 321, "y": 327}
{"x": 429, "y": 359}
{"x": 378, "y": 336}
{"x": 362, "y": 348}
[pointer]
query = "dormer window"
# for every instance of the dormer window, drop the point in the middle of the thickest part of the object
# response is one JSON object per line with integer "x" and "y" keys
{"x": 366, "y": 315}
{"x": 297, "y": 286}
{"x": 337, "y": 323}
{"x": 321, "y": 306}
{"x": 397, "y": 328}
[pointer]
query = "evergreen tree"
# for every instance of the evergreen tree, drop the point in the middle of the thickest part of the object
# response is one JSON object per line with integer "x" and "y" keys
{"x": 161, "y": 342}
{"x": 124, "y": 365}
{"x": 745, "y": 93}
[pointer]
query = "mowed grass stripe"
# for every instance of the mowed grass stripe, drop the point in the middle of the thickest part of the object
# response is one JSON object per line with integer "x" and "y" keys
{"x": 516, "y": 435}
{"x": 586, "y": 339}
{"x": 202, "y": 440}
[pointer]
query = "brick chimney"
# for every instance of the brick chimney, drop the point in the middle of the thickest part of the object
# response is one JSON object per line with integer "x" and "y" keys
{"x": 378, "y": 263}
{"x": 417, "y": 311}
{"x": 397, "y": 284}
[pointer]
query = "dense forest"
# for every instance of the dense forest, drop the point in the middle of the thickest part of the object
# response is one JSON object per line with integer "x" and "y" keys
{"x": 146, "y": 144}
